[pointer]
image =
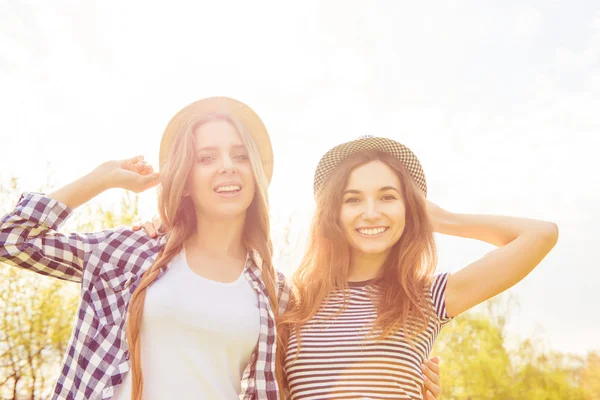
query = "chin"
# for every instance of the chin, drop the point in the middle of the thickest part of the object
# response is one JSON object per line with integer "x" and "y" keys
{"x": 232, "y": 210}
{"x": 373, "y": 252}
{"x": 372, "y": 249}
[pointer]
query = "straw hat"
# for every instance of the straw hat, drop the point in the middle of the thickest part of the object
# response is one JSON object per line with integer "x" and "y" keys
{"x": 220, "y": 105}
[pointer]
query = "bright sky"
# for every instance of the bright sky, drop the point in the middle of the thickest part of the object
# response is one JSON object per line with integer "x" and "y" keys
{"x": 500, "y": 103}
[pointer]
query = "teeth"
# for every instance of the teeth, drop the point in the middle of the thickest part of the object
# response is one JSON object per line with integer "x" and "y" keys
{"x": 231, "y": 188}
{"x": 371, "y": 231}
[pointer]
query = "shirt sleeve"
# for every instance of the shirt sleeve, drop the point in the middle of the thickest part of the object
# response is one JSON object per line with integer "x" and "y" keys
{"x": 438, "y": 295}
{"x": 283, "y": 292}
{"x": 29, "y": 239}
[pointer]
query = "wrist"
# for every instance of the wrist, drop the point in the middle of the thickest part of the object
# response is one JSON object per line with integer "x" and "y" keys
{"x": 446, "y": 221}
{"x": 100, "y": 179}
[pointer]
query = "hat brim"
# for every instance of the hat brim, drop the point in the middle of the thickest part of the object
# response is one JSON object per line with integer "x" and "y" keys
{"x": 227, "y": 106}
{"x": 339, "y": 153}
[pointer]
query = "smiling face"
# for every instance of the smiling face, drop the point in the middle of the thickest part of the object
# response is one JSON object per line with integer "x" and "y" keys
{"x": 221, "y": 183}
{"x": 372, "y": 213}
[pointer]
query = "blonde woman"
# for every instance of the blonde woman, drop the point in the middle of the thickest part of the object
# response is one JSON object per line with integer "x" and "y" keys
{"x": 190, "y": 314}
{"x": 368, "y": 305}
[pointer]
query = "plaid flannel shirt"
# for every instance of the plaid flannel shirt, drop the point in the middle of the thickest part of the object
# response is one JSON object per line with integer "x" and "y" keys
{"x": 109, "y": 265}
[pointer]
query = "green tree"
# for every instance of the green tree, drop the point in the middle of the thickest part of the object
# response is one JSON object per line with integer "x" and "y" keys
{"x": 589, "y": 376}
{"x": 479, "y": 364}
{"x": 476, "y": 363}
{"x": 36, "y": 320}
{"x": 546, "y": 375}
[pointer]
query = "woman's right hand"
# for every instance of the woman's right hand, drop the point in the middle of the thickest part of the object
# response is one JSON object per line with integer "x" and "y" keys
{"x": 132, "y": 174}
{"x": 152, "y": 229}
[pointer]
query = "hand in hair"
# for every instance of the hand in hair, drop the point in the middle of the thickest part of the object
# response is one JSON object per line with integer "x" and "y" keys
{"x": 133, "y": 174}
{"x": 152, "y": 228}
{"x": 437, "y": 215}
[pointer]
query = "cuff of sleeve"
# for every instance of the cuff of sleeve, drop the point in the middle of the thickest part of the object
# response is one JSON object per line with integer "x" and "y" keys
{"x": 43, "y": 210}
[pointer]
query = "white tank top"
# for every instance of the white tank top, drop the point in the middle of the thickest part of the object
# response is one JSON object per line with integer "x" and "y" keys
{"x": 197, "y": 336}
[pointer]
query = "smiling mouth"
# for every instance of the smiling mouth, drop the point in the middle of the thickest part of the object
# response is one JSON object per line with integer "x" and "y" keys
{"x": 372, "y": 232}
{"x": 228, "y": 189}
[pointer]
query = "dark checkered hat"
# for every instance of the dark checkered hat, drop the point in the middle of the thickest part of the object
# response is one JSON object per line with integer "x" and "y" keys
{"x": 336, "y": 155}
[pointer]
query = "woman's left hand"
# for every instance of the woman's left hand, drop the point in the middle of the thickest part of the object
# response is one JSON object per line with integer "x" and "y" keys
{"x": 431, "y": 378}
{"x": 437, "y": 214}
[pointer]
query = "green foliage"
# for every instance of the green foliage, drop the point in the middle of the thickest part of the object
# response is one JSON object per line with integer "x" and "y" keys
{"x": 36, "y": 319}
{"x": 478, "y": 363}
{"x": 589, "y": 376}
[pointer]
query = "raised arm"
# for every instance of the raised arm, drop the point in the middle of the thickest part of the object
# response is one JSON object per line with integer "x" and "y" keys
{"x": 522, "y": 245}
{"x": 28, "y": 234}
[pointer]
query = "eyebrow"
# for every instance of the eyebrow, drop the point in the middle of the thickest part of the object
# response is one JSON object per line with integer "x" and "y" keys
{"x": 213, "y": 148}
{"x": 383, "y": 189}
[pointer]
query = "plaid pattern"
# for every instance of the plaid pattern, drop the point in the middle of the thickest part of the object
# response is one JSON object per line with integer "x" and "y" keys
{"x": 336, "y": 155}
{"x": 109, "y": 266}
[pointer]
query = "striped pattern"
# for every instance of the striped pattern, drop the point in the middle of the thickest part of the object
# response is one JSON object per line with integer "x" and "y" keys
{"x": 338, "y": 361}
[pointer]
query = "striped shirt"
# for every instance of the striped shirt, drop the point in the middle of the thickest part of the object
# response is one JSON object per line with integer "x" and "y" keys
{"x": 338, "y": 361}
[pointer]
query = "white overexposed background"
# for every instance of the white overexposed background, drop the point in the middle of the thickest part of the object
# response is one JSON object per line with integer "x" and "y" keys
{"x": 500, "y": 101}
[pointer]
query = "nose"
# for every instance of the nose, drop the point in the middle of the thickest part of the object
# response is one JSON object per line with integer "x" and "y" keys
{"x": 371, "y": 211}
{"x": 227, "y": 165}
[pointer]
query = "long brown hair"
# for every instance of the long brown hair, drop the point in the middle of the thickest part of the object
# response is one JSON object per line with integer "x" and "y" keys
{"x": 178, "y": 216}
{"x": 402, "y": 302}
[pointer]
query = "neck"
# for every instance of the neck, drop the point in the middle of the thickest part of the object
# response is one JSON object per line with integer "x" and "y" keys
{"x": 219, "y": 237}
{"x": 364, "y": 267}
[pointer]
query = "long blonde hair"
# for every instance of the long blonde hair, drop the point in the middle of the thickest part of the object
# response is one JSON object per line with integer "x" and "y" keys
{"x": 178, "y": 216}
{"x": 405, "y": 276}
